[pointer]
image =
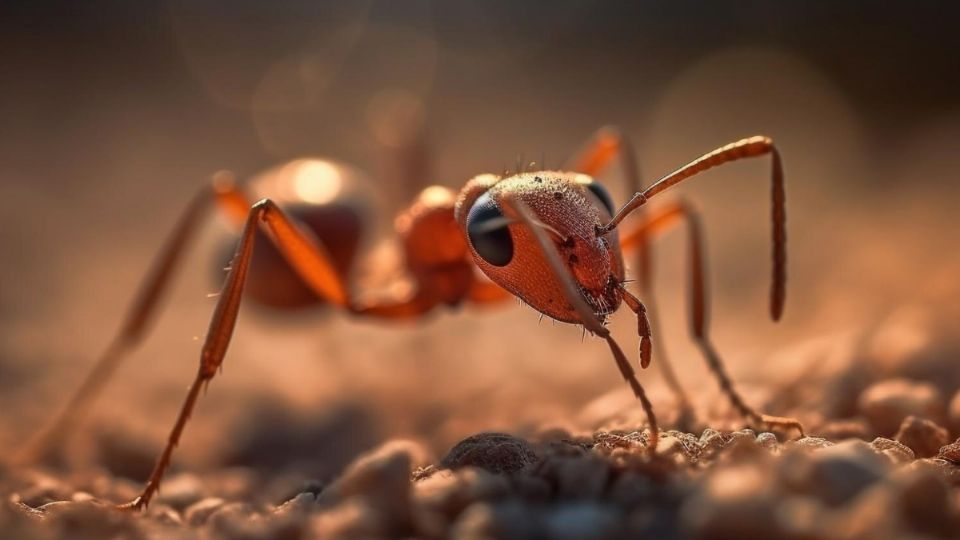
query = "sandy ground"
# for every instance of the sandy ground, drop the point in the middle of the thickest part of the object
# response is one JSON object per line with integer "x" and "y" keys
{"x": 879, "y": 465}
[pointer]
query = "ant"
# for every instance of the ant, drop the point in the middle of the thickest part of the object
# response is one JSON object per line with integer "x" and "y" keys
{"x": 547, "y": 237}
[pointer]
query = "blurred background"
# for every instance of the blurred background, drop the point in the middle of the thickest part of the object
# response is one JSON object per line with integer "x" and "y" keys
{"x": 114, "y": 113}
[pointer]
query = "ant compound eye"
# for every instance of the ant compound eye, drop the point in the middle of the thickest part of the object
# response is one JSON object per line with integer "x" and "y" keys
{"x": 488, "y": 232}
{"x": 601, "y": 193}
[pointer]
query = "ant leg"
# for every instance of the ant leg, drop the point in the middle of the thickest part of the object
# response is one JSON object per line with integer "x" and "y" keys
{"x": 220, "y": 191}
{"x": 699, "y": 309}
{"x": 640, "y": 239}
{"x": 750, "y": 147}
{"x": 607, "y": 144}
{"x": 304, "y": 254}
{"x": 643, "y": 326}
{"x": 211, "y": 357}
{"x": 587, "y": 317}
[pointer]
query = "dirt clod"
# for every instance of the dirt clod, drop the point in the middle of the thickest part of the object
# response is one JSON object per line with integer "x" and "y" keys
{"x": 950, "y": 452}
{"x": 381, "y": 479}
{"x": 923, "y": 436}
{"x": 896, "y": 451}
{"x": 200, "y": 511}
{"x": 924, "y": 501}
{"x": 887, "y": 403}
{"x": 838, "y": 473}
{"x": 495, "y": 452}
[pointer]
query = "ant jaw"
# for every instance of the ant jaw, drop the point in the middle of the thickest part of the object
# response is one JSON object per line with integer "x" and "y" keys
{"x": 601, "y": 305}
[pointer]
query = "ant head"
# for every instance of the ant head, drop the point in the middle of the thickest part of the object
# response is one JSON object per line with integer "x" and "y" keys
{"x": 570, "y": 207}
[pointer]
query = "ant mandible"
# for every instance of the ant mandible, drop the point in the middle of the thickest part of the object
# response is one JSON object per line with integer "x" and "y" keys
{"x": 549, "y": 238}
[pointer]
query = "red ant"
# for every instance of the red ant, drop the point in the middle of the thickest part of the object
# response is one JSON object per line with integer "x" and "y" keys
{"x": 550, "y": 238}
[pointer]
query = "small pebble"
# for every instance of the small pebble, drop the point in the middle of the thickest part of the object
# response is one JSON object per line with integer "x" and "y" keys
{"x": 799, "y": 517}
{"x": 164, "y": 515}
{"x": 352, "y": 518}
{"x": 838, "y": 473}
{"x": 711, "y": 442}
{"x": 811, "y": 443}
{"x": 582, "y": 521}
{"x": 242, "y": 483}
{"x": 632, "y": 489}
{"x": 768, "y": 441}
{"x": 89, "y": 519}
{"x": 743, "y": 447}
{"x": 947, "y": 470}
{"x": 950, "y": 452}
{"x": 689, "y": 443}
{"x": 303, "y": 502}
{"x": 484, "y": 521}
{"x": 710, "y": 436}
{"x": 236, "y": 520}
{"x": 531, "y": 487}
{"x": 43, "y": 489}
{"x": 924, "y": 501}
{"x": 871, "y": 515}
{"x": 180, "y": 491}
{"x": 851, "y": 428}
{"x": 707, "y": 434}
{"x": 582, "y": 478}
{"x": 896, "y": 451}
{"x": 672, "y": 448}
{"x": 735, "y": 501}
{"x": 479, "y": 484}
{"x": 82, "y": 496}
{"x": 382, "y": 478}
{"x": 198, "y": 512}
{"x": 510, "y": 519}
{"x": 923, "y": 436}
{"x": 887, "y": 403}
{"x": 449, "y": 492}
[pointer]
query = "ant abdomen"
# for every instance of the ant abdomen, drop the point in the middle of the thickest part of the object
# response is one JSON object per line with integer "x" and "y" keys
{"x": 333, "y": 201}
{"x": 273, "y": 283}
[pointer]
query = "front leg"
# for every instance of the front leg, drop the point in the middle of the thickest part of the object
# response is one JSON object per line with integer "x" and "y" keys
{"x": 660, "y": 221}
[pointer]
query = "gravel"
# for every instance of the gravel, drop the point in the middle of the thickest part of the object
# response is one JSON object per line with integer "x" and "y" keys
{"x": 712, "y": 485}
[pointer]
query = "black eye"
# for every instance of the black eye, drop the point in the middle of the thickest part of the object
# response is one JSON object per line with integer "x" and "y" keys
{"x": 601, "y": 193}
{"x": 488, "y": 232}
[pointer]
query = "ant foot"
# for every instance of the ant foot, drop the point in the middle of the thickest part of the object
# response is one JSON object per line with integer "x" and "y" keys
{"x": 782, "y": 422}
{"x": 135, "y": 505}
